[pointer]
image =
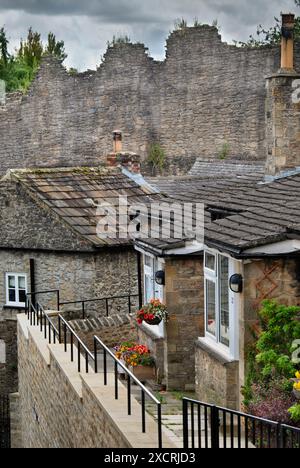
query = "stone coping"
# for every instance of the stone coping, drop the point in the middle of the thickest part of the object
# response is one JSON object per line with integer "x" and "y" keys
{"x": 205, "y": 345}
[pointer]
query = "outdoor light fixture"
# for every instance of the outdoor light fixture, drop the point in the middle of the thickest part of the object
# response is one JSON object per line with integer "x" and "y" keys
{"x": 236, "y": 283}
{"x": 160, "y": 277}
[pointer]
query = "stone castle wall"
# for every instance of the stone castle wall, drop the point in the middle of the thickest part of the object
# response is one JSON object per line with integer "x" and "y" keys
{"x": 206, "y": 93}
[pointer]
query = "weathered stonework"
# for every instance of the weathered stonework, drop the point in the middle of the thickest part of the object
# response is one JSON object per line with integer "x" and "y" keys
{"x": 61, "y": 408}
{"x": 112, "y": 330}
{"x": 8, "y": 369}
{"x": 216, "y": 378}
{"x": 156, "y": 346}
{"x": 283, "y": 116}
{"x": 206, "y": 93}
{"x": 184, "y": 300}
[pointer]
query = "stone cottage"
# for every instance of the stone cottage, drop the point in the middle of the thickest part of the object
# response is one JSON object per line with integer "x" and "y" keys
{"x": 250, "y": 252}
{"x": 49, "y": 240}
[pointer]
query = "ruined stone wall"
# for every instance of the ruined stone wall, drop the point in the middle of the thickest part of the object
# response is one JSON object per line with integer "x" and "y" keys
{"x": 204, "y": 94}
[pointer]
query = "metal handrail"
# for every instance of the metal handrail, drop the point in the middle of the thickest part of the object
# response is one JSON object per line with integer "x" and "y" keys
{"x": 98, "y": 299}
{"x": 261, "y": 434}
{"x": 35, "y": 293}
{"x": 130, "y": 377}
{"x": 62, "y": 323}
{"x": 37, "y": 316}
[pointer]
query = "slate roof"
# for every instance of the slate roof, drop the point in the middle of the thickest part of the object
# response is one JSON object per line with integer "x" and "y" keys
{"x": 255, "y": 213}
{"x": 211, "y": 168}
{"x": 74, "y": 193}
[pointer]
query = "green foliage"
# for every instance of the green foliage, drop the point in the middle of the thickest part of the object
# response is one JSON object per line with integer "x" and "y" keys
{"x": 56, "y": 48}
{"x": 119, "y": 41}
{"x": 197, "y": 23}
{"x": 180, "y": 24}
{"x": 224, "y": 151}
{"x": 19, "y": 70}
{"x": 269, "y": 37}
{"x": 280, "y": 328}
{"x": 4, "y": 55}
{"x": 157, "y": 157}
{"x": 295, "y": 412}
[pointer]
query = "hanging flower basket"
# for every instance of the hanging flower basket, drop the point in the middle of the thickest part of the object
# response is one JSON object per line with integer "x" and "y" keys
{"x": 153, "y": 313}
{"x": 154, "y": 321}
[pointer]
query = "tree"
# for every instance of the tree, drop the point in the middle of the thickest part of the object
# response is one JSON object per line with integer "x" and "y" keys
{"x": 31, "y": 51}
{"x": 4, "y": 55}
{"x": 272, "y": 36}
{"x": 56, "y": 48}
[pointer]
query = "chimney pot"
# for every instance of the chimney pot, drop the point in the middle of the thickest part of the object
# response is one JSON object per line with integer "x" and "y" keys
{"x": 287, "y": 42}
{"x": 117, "y": 139}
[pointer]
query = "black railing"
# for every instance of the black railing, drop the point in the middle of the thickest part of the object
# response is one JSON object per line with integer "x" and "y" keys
{"x": 65, "y": 335}
{"x": 32, "y": 297}
{"x": 106, "y": 300}
{"x": 130, "y": 378}
{"x": 4, "y": 422}
{"x": 209, "y": 426}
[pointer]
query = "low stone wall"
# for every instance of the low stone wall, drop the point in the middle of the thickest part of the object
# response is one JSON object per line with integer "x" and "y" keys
{"x": 156, "y": 346}
{"x": 216, "y": 378}
{"x": 112, "y": 330}
{"x": 61, "y": 408}
{"x": 15, "y": 421}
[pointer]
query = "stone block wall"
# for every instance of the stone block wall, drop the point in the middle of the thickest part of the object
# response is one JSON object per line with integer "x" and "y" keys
{"x": 156, "y": 346}
{"x": 61, "y": 408}
{"x": 219, "y": 90}
{"x": 283, "y": 128}
{"x": 111, "y": 330}
{"x": 8, "y": 369}
{"x": 185, "y": 303}
{"x": 217, "y": 379}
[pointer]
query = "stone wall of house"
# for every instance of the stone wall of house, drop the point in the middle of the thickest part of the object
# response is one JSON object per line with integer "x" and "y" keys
{"x": 61, "y": 408}
{"x": 77, "y": 275}
{"x": 206, "y": 93}
{"x": 272, "y": 278}
{"x": 185, "y": 303}
{"x": 216, "y": 378}
{"x": 8, "y": 356}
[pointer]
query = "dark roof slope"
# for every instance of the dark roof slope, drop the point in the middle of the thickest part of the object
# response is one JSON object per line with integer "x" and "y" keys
{"x": 210, "y": 168}
{"x": 74, "y": 194}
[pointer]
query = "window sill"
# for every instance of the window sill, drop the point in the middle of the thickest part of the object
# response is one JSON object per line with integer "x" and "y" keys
{"x": 155, "y": 336}
{"x": 215, "y": 351}
{"x": 15, "y": 307}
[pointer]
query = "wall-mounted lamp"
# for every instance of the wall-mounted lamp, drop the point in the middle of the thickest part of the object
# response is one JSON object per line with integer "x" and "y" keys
{"x": 160, "y": 277}
{"x": 236, "y": 283}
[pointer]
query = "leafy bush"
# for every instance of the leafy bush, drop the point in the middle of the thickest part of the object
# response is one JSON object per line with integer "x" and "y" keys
{"x": 268, "y": 389}
{"x": 156, "y": 158}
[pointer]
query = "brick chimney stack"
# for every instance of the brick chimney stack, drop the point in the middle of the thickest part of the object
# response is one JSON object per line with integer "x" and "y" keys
{"x": 122, "y": 159}
{"x": 283, "y": 108}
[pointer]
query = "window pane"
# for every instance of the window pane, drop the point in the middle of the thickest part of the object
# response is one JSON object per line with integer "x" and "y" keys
{"x": 210, "y": 261}
{"x": 22, "y": 296}
{"x": 12, "y": 295}
{"x": 149, "y": 289}
{"x": 21, "y": 282}
{"x": 148, "y": 261}
{"x": 224, "y": 300}
{"x": 11, "y": 282}
{"x": 211, "y": 307}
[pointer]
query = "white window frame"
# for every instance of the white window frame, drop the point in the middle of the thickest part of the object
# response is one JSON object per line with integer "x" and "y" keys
{"x": 234, "y": 306}
{"x": 158, "y": 291}
{"x": 17, "y": 303}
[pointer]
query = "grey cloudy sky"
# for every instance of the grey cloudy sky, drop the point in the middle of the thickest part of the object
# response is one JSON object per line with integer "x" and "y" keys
{"x": 86, "y": 26}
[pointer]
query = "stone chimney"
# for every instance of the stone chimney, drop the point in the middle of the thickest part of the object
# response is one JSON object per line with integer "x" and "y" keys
{"x": 283, "y": 108}
{"x": 119, "y": 158}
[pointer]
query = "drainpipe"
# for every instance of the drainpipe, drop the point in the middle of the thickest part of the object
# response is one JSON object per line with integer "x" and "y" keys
{"x": 32, "y": 280}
